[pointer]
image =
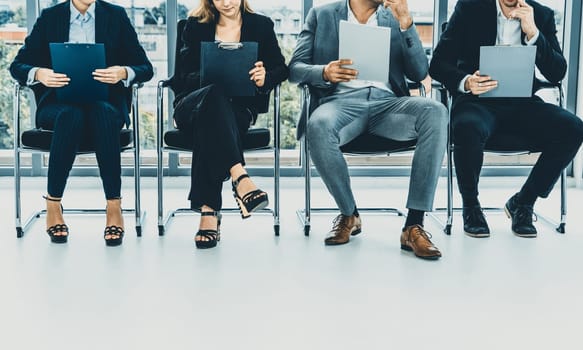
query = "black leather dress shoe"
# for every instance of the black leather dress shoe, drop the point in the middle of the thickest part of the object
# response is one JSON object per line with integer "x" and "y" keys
{"x": 475, "y": 224}
{"x": 521, "y": 215}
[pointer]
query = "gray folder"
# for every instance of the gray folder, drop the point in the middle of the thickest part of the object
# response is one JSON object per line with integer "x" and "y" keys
{"x": 78, "y": 61}
{"x": 511, "y": 66}
{"x": 369, "y": 49}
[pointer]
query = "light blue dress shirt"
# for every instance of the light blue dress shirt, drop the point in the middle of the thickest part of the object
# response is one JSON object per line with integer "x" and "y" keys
{"x": 82, "y": 30}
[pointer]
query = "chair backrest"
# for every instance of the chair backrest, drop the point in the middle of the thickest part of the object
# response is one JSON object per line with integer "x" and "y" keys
{"x": 179, "y": 29}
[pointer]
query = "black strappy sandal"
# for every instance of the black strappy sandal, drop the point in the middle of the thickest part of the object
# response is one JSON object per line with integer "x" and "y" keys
{"x": 251, "y": 201}
{"x": 211, "y": 236}
{"x": 113, "y": 231}
{"x": 58, "y": 228}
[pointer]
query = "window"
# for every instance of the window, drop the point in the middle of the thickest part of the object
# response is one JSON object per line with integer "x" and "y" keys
{"x": 12, "y": 34}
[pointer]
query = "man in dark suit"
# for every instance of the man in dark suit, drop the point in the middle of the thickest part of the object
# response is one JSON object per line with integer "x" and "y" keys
{"x": 83, "y": 21}
{"x": 346, "y": 107}
{"x": 547, "y": 127}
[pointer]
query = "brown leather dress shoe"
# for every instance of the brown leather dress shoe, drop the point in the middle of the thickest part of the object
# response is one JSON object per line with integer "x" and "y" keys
{"x": 414, "y": 238}
{"x": 343, "y": 227}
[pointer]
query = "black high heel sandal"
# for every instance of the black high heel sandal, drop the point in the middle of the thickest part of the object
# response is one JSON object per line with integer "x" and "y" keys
{"x": 211, "y": 236}
{"x": 251, "y": 201}
{"x": 113, "y": 230}
{"x": 58, "y": 228}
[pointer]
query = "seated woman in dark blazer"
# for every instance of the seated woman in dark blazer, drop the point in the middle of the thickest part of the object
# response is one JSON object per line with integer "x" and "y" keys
{"x": 218, "y": 123}
{"x": 83, "y": 21}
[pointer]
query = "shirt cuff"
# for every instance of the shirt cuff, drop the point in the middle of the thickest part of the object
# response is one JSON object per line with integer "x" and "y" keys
{"x": 31, "y": 73}
{"x": 534, "y": 38}
{"x": 462, "y": 87}
{"x": 131, "y": 77}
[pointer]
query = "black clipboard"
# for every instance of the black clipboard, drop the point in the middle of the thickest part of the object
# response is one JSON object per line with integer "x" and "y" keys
{"x": 78, "y": 61}
{"x": 227, "y": 65}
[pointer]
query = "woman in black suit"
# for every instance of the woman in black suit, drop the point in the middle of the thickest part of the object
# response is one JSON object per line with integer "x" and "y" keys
{"x": 216, "y": 122}
{"x": 83, "y": 21}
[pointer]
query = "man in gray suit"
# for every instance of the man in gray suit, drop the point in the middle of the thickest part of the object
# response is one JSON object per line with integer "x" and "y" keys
{"x": 345, "y": 107}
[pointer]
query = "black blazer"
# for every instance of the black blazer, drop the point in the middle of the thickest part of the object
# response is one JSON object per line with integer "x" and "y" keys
{"x": 255, "y": 28}
{"x": 473, "y": 24}
{"x": 112, "y": 28}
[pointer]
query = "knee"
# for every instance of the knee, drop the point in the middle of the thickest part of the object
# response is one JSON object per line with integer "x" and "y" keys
{"x": 105, "y": 114}
{"x": 576, "y": 128}
{"x": 437, "y": 114}
{"x": 71, "y": 117}
{"x": 320, "y": 128}
{"x": 216, "y": 93}
{"x": 469, "y": 131}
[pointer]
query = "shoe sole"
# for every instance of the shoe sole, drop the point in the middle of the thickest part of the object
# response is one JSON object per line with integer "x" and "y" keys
{"x": 518, "y": 234}
{"x": 335, "y": 243}
{"x": 409, "y": 249}
{"x": 522, "y": 235}
{"x": 477, "y": 235}
{"x": 356, "y": 232}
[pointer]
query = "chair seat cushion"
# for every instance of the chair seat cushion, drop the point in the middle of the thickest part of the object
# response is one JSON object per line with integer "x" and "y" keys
{"x": 256, "y": 138}
{"x": 369, "y": 144}
{"x": 40, "y": 139}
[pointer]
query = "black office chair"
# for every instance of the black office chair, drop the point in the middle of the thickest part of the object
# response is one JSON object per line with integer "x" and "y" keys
{"x": 39, "y": 141}
{"x": 363, "y": 144}
{"x": 175, "y": 140}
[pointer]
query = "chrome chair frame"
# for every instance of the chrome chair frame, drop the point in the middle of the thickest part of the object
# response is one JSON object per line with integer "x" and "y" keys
{"x": 164, "y": 219}
{"x": 21, "y": 227}
{"x": 304, "y": 215}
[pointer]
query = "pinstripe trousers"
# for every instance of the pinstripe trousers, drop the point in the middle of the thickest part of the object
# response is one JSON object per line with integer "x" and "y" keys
{"x": 97, "y": 124}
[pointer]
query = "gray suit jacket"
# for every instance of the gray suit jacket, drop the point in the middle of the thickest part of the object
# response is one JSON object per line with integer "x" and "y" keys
{"x": 318, "y": 45}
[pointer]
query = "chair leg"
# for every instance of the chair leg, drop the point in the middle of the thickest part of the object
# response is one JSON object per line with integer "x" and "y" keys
{"x": 160, "y": 178}
{"x": 17, "y": 209}
{"x": 137, "y": 189}
{"x": 308, "y": 189}
{"x": 276, "y": 160}
{"x": 563, "y": 223}
{"x": 449, "y": 222}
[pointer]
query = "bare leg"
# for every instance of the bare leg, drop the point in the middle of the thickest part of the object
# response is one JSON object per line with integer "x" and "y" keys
{"x": 55, "y": 214}
{"x": 114, "y": 216}
{"x": 206, "y": 223}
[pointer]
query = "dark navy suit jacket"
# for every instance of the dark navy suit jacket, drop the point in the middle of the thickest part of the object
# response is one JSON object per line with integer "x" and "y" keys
{"x": 474, "y": 23}
{"x": 112, "y": 28}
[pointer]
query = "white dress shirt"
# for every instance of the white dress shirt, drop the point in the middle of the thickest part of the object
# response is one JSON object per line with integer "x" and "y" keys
{"x": 509, "y": 33}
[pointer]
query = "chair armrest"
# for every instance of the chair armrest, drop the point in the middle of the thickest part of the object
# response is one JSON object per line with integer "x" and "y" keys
{"x": 417, "y": 85}
{"x": 164, "y": 83}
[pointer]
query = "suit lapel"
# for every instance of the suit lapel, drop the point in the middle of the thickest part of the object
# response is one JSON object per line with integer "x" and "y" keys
{"x": 491, "y": 27}
{"x": 386, "y": 19}
{"x": 101, "y": 23}
{"x": 62, "y": 23}
{"x": 341, "y": 14}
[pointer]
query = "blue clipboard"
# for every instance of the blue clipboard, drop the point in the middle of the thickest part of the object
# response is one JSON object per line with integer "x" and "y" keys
{"x": 78, "y": 61}
{"x": 227, "y": 65}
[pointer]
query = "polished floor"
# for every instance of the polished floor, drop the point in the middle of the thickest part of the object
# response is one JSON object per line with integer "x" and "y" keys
{"x": 257, "y": 291}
